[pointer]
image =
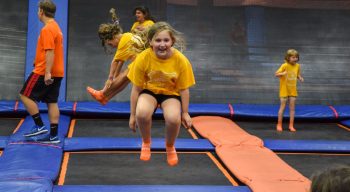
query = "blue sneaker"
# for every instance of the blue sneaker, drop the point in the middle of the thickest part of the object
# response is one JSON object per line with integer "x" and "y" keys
{"x": 48, "y": 139}
{"x": 36, "y": 130}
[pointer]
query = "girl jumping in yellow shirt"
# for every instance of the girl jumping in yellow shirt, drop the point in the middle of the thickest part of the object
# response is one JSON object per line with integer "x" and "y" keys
{"x": 128, "y": 46}
{"x": 160, "y": 75}
{"x": 289, "y": 73}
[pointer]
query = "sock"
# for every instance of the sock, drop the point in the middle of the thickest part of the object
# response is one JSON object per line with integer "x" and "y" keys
{"x": 171, "y": 155}
{"x": 145, "y": 151}
{"x": 37, "y": 120}
{"x": 53, "y": 129}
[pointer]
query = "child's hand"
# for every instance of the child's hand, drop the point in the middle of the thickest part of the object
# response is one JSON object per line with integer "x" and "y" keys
{"x": 283, "y": 73}
{"x": 132, "y": 123}
{"x": 301, "y": 79}
{"x": 186, "y": 120}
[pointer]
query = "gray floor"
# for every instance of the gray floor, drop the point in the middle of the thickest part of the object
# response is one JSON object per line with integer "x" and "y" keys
{"x": 128, "y": 169}
{"x": 308, "y": 164}
{"x": 7, "y": 126}
{"x": 305, "y": 131}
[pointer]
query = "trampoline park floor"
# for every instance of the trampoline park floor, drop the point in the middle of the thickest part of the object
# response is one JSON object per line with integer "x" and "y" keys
{"x": 125, "y": 167}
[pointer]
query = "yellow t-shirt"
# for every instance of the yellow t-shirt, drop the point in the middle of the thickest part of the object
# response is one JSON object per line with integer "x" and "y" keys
{"x": 160, "y": 76}
{"x": 127, "y": 47}
{"x": 146, "y": 24}
{"x": 288, "y": 83}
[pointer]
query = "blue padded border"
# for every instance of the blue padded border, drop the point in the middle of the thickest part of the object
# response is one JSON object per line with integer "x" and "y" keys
{"x": 94, "y": 143}
{"x": 346, "y": 123}
{"x": 31, "y": 184}
{"x": 343, "y": 111}
{"x": 23, "y": 161}
{"x": 34, "y": 27}
{"x": 302, "y": 112}
{"x": 7, "y": 107}
{"x": 308, "y": 146}
{"x": 3, "y": 141}
{"x": 150, "y": 188}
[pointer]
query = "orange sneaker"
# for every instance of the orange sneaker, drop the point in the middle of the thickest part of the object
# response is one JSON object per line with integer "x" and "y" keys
{"x": 145, "y": 152}
{"x": 97, "y": 95}
{"x": 171, "y": 156}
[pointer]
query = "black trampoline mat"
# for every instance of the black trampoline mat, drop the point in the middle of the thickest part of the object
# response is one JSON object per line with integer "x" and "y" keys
{"x": 305, "y": 131}
{"x": 8, "y": 125}
{"x": 125, "y": 168}
{"x": 118, "y": 128}
{"x": 307, "y": 164}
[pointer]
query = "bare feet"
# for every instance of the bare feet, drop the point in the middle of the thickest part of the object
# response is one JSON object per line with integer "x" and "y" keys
{"x": 292, "y": 129}
{"x": 279, "y": 128}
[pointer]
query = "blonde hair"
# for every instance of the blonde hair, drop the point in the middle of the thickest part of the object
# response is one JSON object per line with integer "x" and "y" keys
{"x": 107, "y": 31}
{"x": 176, "y": 36}
{"x": 289, "y": 53}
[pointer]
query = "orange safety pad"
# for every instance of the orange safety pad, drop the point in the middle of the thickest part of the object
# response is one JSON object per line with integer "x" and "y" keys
{"x": 222, "y": 131}
{"x": 246, "y": 157}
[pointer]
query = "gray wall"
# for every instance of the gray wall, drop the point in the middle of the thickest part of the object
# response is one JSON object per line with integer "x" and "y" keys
{"x": 13, "y": 38}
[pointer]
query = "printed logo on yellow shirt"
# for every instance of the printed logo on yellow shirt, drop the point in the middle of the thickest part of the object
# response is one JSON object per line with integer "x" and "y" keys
{"x": 162, "y": 79}
{"x": 291, "y": 79}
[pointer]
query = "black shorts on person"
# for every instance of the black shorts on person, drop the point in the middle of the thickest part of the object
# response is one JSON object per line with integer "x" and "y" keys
{"x": 35, "y": 89}
{"x": 160, "y": 97}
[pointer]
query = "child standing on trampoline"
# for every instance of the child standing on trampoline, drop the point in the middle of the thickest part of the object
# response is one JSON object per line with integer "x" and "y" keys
{"x": 128, "y": 46}
{"x": 289, "y": 73}
{"x": 160, "y": 75}
{"x": 44, "y": 82}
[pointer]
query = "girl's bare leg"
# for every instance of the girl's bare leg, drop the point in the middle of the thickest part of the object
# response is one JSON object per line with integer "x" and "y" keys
{"x": 280, "y": 114}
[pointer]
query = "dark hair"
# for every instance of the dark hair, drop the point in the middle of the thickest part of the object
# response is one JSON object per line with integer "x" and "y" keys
{"x": 145, "y": 11}
{"x": 334, "y": 179}
{"x": 48, "y": 7}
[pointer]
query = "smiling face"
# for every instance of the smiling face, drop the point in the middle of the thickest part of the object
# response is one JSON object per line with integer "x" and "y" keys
{"x": 140, "y": 16}
{"x": 293, "y": 59}
{"x": 161, "y": 44}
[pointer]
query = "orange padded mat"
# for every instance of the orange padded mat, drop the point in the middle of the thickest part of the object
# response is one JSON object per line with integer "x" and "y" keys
{"x": 247, "y": 158}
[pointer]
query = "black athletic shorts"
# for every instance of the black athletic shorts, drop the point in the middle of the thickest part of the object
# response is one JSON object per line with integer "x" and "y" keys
{"x": 160, "y": 97}
{"x": 35, "y": 89}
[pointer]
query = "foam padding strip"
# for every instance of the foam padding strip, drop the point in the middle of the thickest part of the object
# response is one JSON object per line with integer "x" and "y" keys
{"x": 346, "y": 123}
{"x": 21, "y": 161}
{"x": 7, "y": 107}
{"x": 26, "y": 185}
{"x": 261, "y": 169}
{"x": 93, "y": 143}
{"x": 3, "y": 141}
{"x": 343, "y": 111}
{"x": 97, "y": 110}
{"x": 219, "y": 131}
{"x": 308, "y": 146}
{"x": 302, "y": 112}
{"x": 246, "y": 157}
{"x": 150, "y": 188}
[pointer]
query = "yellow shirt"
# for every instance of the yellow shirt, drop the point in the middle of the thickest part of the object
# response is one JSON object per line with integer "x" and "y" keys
{"x": 145, "y": 24}
{"x": 126, "y": 48}
{"x": 162, "y": 76}
{"x": 288, "y": 82}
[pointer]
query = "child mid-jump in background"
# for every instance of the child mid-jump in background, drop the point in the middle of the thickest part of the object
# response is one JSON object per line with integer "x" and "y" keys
{"x": 128, "y": 46}
{"x": 289, "y": 73}
{"x": 160, "y": 75}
